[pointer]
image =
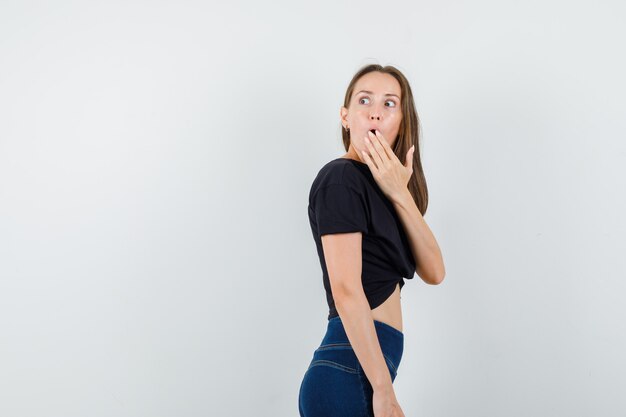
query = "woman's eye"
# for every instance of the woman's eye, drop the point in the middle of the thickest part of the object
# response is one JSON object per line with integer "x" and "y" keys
{"x": 393, "y": 103}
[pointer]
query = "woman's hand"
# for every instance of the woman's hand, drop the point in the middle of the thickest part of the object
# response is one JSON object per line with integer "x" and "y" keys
{"x": 390, "y": 174}
{"x": 385, "y": 404}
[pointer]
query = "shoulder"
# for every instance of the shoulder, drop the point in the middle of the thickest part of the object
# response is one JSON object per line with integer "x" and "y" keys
{"x": 338, "y": 171}
{"x": 336, "y": 201}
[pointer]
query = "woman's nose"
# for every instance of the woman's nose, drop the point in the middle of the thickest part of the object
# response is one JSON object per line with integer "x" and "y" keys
{"x": 375, "y": 113}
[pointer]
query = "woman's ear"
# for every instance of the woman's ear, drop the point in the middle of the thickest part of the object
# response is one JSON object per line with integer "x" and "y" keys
{"x": 343, "y": 114}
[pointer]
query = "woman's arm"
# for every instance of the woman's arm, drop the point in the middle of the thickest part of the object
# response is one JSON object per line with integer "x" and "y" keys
{"x": 342, "y": 253}
{"x": 392, "y": 177}
{"x": 426, "y": 252}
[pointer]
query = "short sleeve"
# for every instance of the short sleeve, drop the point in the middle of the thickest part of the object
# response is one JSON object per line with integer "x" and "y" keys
{"x": 339, "y": 209}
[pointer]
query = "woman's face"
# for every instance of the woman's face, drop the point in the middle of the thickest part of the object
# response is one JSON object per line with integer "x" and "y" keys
{"x": 375, "y": 104}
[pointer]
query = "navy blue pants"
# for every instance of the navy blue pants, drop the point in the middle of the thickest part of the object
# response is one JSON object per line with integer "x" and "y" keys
{"x": 335, "y": 385}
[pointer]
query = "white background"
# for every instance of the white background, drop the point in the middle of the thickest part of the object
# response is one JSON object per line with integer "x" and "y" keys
{"x": 155, "y": 162}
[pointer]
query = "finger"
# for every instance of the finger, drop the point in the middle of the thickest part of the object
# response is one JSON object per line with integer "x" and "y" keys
{"x": 409, "y": 156}
{"x": 368, "y": 160}
{"x": 377, "y": 142}
{"x": 385, "y": 144}
{"x": 373, "y": 151}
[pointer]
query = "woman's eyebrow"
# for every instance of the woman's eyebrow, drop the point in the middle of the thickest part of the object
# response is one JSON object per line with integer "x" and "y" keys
{"x": 369, "y": 92}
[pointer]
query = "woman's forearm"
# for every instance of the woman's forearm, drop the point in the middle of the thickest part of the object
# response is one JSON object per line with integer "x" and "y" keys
{"x": 424, "y": 247}
{"x": 356, "y": 316}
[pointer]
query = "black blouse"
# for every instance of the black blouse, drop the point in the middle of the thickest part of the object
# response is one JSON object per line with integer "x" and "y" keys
{"x": 345, "y": 198}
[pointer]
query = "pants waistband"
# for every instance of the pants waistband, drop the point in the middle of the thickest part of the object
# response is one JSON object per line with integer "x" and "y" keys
{"x": 391, "y": 339}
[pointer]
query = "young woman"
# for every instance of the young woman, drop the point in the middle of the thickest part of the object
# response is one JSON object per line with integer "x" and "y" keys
{"x": 366, "y": 214}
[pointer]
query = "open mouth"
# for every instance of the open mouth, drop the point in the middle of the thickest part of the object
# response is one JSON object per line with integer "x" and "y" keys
{"x": 373, "y": 131}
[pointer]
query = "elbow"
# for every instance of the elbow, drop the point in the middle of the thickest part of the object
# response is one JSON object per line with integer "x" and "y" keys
{"x": 436, "y": 280}
{"x": 434, "y": 277}
{"x": 348, "y": 294}
{"x": 440, "y": 275}
{"x": 345, "y": 293}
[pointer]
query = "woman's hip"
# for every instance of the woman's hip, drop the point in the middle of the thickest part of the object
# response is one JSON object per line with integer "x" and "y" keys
{"x": 335, "y": 381}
